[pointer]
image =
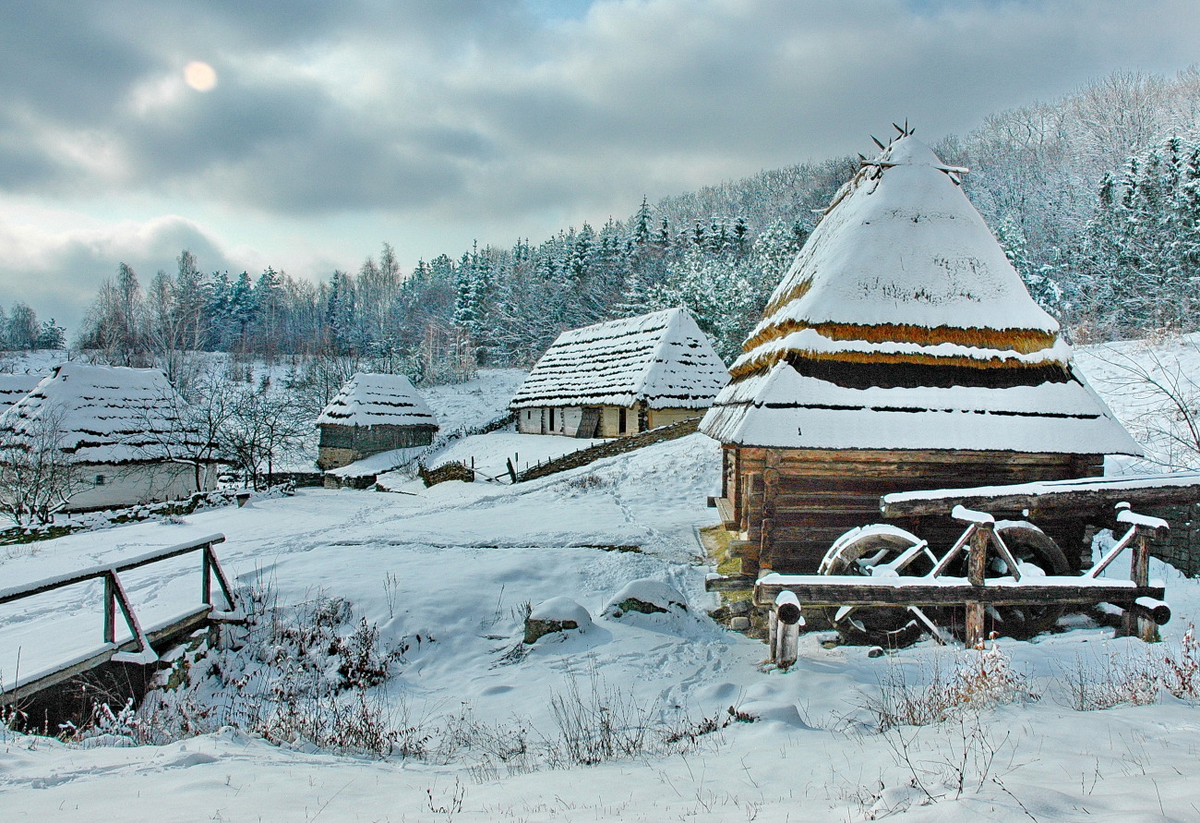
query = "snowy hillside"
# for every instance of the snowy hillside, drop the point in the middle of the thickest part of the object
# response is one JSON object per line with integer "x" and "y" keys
{"x": 1147, "y": 384}
{"x": 479, "y": 724}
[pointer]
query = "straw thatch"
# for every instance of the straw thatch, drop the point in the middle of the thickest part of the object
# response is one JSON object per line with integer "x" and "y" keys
{"x": 903, "y": 325}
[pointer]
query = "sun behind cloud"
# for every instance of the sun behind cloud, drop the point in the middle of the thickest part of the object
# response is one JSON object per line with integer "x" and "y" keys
{"x": 200, "y": 76}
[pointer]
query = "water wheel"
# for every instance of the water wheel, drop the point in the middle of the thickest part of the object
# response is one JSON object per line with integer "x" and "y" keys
{"x": 1037, "y": 555}
{"x": 877, "y": 551}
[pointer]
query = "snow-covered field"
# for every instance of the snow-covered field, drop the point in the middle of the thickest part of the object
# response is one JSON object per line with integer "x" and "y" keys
{"x": 446, "y": 573}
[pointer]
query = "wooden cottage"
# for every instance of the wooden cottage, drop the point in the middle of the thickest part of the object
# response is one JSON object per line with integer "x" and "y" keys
{"x": 373, "y": 413}
{"x": 621, "y": 377}
{"x": 123, "y": 432}
{"x": 901, "y": 351}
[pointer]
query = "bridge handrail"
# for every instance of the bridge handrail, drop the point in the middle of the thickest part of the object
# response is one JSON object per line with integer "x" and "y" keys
{"x": 12, "y": 593}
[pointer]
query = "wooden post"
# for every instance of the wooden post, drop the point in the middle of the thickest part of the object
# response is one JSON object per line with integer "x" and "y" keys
{"x": 773, "y": 635}
{"x": 786, "y": 618}
{"x": 1134, "y": 625}
{"x": 205, "y": 576}
{"x": 976, "y": 566}
{"x": 110, "y": 622}
{"x": 222, "y": 580}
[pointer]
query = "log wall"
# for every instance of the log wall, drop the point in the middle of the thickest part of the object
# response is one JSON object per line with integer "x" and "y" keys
{"x": 791, "y": 504}
{"x": 342, "y": 445}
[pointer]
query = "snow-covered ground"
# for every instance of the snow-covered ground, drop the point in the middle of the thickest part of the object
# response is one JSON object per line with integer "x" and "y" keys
{"x": 446, "y": 574}
{"x": 478, "y": 400}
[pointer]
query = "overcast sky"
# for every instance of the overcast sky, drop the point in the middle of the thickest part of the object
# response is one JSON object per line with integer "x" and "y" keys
{"x": 307, "y": 132}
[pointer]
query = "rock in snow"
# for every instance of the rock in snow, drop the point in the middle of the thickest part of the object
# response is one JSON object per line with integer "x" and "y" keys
{"x": 558, "y": 614}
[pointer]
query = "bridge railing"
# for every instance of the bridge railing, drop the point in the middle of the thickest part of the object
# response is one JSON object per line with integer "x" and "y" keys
{"x": 116, "y": 599}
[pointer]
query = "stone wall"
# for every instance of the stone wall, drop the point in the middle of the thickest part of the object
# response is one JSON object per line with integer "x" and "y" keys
{"x": 1181, "y": 545}
{"x": 610, "y": 448}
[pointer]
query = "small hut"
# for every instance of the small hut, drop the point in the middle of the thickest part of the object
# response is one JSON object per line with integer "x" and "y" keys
{"x": 373, "y": 413}
{"x": 900, "y": 351}
{"x": 123, "y": 433}
{"x": 621, "y": 377}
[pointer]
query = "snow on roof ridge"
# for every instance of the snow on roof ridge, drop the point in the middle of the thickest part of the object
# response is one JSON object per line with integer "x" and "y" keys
{"x": 618, "y": 362}
{"x": 374, "y": 399}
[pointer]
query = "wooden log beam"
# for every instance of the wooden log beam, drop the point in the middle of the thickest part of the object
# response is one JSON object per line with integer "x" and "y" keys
{"x": 1089, "y": 494}
{"x": 836, "y": 590}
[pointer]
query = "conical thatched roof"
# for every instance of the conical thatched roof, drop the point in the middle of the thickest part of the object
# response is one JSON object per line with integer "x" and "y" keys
{"x": 661, "y": 358}
{"x": 377, "y": 400}
{"x": 104, "y": 414}
{"x": 902, "y": 325}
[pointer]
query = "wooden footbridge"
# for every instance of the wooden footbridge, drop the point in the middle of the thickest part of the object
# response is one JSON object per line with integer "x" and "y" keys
{"x": 144, "y": 640}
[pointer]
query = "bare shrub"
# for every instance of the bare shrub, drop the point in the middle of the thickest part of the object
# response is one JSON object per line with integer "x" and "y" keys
{"x": 977, "y": 679}
{"x": 1181, "y": 671}
{"x": 601, "y": 725}
{"x": 1135, "y": 678}
{"x": 1118, "y": 680}
{"x": 960, "y": 756}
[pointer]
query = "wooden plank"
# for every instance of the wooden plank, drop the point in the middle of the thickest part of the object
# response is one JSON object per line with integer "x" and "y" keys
{"x": 726, "y": 513}
{"x": 25, "y": 688}
{"x": 160, "y": 635}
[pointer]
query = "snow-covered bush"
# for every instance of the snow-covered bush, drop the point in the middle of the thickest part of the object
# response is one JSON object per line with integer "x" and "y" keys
{"x": 301, "y": 676}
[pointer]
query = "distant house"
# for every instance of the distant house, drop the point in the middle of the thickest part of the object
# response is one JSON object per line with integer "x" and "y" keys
{"x": 900, "y": 351}
{"x": 122, "y": 431}
{"x": 621, "y": 377}
{"x": 373, "y": 413}
{"x": 15, "y": 386}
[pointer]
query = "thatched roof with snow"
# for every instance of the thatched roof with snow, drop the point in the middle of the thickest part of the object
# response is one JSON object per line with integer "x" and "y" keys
{"x": 104, "y": 414}
{"x": 377, "y": 400}
{"x": 902, "y": 325}
{"x": 661, "y": 358}
{"x": 15, "y": 386}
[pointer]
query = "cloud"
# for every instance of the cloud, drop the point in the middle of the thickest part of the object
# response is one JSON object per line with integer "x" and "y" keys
{"x": 59, "y": 273}
{"x": 512, "y": 115}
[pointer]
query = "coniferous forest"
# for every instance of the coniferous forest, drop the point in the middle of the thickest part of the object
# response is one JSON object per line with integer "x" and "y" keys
{"x": 1095, "y": 197}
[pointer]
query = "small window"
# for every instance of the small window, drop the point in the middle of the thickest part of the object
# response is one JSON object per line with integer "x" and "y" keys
{"x": 100, "y": 480}
{"x": 622, "y": 421}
